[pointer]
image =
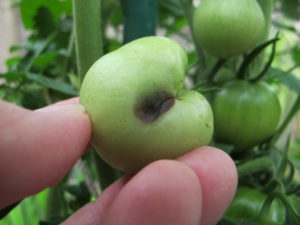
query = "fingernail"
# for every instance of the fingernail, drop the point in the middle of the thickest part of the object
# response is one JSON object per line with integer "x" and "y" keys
{"x": 63, "y": 107}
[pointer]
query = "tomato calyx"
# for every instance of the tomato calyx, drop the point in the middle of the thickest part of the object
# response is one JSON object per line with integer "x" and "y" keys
{"x": 250, "y": 57}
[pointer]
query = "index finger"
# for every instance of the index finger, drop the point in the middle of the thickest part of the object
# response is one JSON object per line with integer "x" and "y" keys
{"x": 39, "y": 148}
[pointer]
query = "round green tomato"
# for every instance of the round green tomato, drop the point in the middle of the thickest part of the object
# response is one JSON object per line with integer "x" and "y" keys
{"x": 245, "y": 113}
{"x": 228, "y": 27}
{"x": 139, "y": 109}
{"x": 247, "y": 204}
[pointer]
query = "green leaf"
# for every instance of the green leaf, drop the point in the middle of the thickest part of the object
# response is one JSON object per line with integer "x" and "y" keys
{"x": 45, "y": 60}
{"x": 29, "y": 9}
{"x": 291, "y": 8}
{"x": 12, "y": 62}
{"x": 225, "y": 147}
{"x": 2, "y": 92}
{"x": 75, "y": 81}
{"x": 274, "y": 73}
{"x": 286, "y": 78}
{"x": 12, "y": 76}
{"x": 44, "y": 22}
{"x": 173, "y": 6}
{"x": 52, "y": 83}
{"x": 296, "y": 54}
{"x": 231, "y": 221}
{"x": 291, "y": 218}
{"x": 6, "y": 210}
{"x": 291, "y": 81}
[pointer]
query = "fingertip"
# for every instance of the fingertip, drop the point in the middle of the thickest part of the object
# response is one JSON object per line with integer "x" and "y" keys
{"x": 66, "y": 128}
{"x": 74, "y": 100}
{"x": 164, "y": 192}
{"x": 218, "y": 177}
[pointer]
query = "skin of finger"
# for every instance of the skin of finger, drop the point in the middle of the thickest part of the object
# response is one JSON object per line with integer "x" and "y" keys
{"x": 163, "y": 193}
{"x": 218, "y": 175}
{"x": 92, "y": 213}
{"x": 37, "y": 151}
{"x": 220, "y": 184}
{"x": 10, "y": 113}
{"x": 74, "y": 100}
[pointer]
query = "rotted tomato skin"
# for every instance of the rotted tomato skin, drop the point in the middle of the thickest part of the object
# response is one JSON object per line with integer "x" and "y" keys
{"x": 247, "y": 204}
{"x": 246, "y": 113}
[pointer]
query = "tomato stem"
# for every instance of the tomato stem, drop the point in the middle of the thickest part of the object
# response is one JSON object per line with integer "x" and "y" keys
{"x": 88, "y": 42}
{"x": 56, "y": 202}
{"x": 212, "y": 73}
{"x": 266, "y": 206}
{"x": 241, "y": 74}
{"x": 189, "y": 9}
{"x": 88, "y": 33}
{"x": 106, "y": 174}
{"x": 268, "y": 64}
{"x": 255, "y": 165}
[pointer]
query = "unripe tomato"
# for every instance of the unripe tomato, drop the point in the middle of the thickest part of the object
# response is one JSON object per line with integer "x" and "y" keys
{"x": 245, "y": 113}
{"x": 228, "y": 27}
{"x": 138, "y": 107}
{"x": 247, "y": 204}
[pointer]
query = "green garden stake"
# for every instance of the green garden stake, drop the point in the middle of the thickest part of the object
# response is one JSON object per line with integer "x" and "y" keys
{"x": 139, "y": 18}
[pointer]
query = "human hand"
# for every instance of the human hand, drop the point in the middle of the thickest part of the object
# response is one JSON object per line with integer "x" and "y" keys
{"x": 38, "y": 148}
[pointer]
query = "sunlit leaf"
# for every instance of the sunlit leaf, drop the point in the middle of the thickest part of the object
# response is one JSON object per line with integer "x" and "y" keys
{"x": 29, "y": 9}
{"x": 52, "y": 83}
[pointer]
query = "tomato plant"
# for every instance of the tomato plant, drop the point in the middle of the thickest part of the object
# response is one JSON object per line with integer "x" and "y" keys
{"x": 230, "y": 60}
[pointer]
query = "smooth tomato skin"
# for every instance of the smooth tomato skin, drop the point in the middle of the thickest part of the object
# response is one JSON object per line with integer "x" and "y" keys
{"x": 245, "y": 113}
{"x": 247, "y": 205}
{"x": 122, "y": 93}
{"x": 226, "y": 28}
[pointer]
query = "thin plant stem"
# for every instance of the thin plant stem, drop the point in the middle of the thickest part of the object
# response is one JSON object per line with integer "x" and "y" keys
{"x": 88, "y": 33}
{"x": 294, "y": 110}
{"x": 87, "y": 178}
{"x": 40, "y": 50}
{"x": 88, "y": 43}
{"x": 255, "y": 165}
{"x": 212, "y": 73}
{"x": 189, "y": 9}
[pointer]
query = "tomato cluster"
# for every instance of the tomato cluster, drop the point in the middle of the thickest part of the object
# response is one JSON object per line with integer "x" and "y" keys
{"x": 246, "y": 109}
{"x": 246, "y": 112}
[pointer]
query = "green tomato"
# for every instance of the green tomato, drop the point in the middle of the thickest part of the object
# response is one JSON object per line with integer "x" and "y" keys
{"x": 247, "y": 204}
{"x": 267, "y": 7}
{"x": 138, "y": 107}
{"x": 224, "y": 75}
{"x": 228, "y": 27}
{"x": 245, "y": 113}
